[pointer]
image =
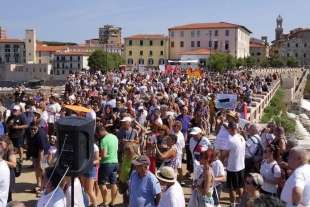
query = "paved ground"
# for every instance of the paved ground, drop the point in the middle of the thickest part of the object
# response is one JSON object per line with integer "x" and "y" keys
{"x": 26, "y": 182}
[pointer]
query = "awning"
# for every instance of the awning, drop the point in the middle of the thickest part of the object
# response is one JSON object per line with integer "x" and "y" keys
{"x": 77, "y": 108}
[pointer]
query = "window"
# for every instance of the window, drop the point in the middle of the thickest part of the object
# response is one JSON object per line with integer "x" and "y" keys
{"x": 226, "y": 44}
{"x": 141, "y": 42}
{"x": 227, "y": 32}
{"x": 181, "y": 44}
{"x": 79, "y": 66}
{"x": 70, "y": 65}
{"x": 141, "y": 61}
{"x": 161, "y": 61}
{"x": 305, "y": 45}
{"x": 288, "y": 54}
{"x": 141, "y": 52}
{"x": 216, "y": 33}
{"x": 161, "y": 52}
{"x": 63, "y": 71}
{"x": 161, "y": 43}
{"x": 130, "y": 52}
{"x": 258, "y": 54}
{"x": 198, "y": 43}
{"x": 130, "y": 42}
{"x": 172, "y": 44}
{"x": 182, "y": 33}
{"x": 29, "y": 40}
{"x": 44, "y": 70}
{"x": 57, "y": 65}
{"x": 150, "y": 61}
{"x": 210, "y": 44}
{"x": 305, "y": 55}
{"x": 216, "y": 45}
{"x": 130, "y": 61}
{"x": 172, "y": 34}
{"x": 288, "y": 44}
{"x": 198, "y": 33}
{"x": 192, "y": 44}
{"x": 151, "y": 53}
{"x": 296, "y": 54}
{"x": 297, "y": 45}
{"x": 33, "y": 70}
{"x": 40, "y": 70}
{"x": 70, "y": 58}
{"x": 40, "y": 54}
{"x": 151, "y": 42}
{"x": 79, "y": 58}
{"x": 192, "y": 33}
{"x": 40, "y": 62}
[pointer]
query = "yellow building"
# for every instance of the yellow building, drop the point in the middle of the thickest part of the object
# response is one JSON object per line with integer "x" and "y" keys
{"x": 146, "y": 50}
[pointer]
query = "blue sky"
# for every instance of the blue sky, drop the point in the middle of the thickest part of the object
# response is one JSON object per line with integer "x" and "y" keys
{"x": 77, "y": 20}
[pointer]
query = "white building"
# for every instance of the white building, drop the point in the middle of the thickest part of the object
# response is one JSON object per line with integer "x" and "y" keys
{"x": 219, "y": 37}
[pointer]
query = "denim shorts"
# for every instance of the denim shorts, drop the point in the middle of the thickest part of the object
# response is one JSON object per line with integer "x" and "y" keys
{"x": 107, "y": 173}
{"x": 91, "y": 172}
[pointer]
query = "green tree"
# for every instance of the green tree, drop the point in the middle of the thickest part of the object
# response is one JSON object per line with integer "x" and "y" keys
{"x": 97, "y": 61}
{"x": 291, "y": 62}
{"x": 221, "y": 62}
{"x": 250, "y": 61}
{"x": 240, "y": 62}
{"x": 276, "y": 62}
{"x": 265, "y": 63}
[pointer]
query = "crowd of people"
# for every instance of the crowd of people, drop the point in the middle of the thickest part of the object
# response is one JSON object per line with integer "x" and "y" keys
{"x": 155, "y": 132}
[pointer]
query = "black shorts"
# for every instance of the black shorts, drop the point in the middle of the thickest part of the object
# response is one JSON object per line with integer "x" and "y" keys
{"x": 18, "y": 142}
{"x": 107, "y": 173}
{"x": 235, "y": 180}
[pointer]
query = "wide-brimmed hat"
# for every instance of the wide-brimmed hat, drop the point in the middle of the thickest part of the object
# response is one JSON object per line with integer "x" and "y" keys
{"x": 166, "y": 174}
{"x": 141, "y": 160}
{"x": 232, "y": 114}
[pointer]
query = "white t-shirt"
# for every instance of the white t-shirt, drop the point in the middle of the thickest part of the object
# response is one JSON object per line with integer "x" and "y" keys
{"x": 252, "y": 144}
{"x": 173, "y": 197}
{"x": 4, "y": 183}
{"x": 218, "y": 170}
{"x": 272, "y": 171}
{"x": 78, "y": 195}
{"x": 58, "y": 199}
{"x": 236, "y": 148}
{"x": 180, "y": 145}
{"x": 221, "y": 140}
{"x": 300, "y": 178}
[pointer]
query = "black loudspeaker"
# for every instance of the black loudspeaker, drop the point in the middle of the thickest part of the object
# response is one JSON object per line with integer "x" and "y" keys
{"x": 75, "y": 144}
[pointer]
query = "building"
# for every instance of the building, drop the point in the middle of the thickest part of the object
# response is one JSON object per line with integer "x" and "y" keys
{"x": 45, "y": 54}
{"x": 146, "y": 50}
{"x": 92, "y": 42}
{"x": 259, "y": 49}
{"x": 12, "y": 51}
{"x": 109, "y": 34}
{"x": 295, "y": 44}
{"x": 2, "y": 33}
{"x": 220, "y": 37}
{"x": 69, "y": 62}
{"x": 25, "y": 72}
{"x": 31, "y": 45}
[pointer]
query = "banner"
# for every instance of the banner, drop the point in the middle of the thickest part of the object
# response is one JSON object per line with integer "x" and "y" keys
{"x": 226, "y": 101}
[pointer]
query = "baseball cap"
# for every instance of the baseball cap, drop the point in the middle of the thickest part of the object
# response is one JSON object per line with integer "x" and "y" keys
{"x": 141, "y": 160}
{"x": 195, "y": 131}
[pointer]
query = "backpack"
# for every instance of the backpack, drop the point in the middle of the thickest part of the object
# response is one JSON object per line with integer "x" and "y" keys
{"x": 258, "y": 155}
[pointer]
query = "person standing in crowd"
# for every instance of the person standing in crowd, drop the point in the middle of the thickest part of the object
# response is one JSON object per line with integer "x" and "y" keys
{"x": 10, "y": 158}
{"x": 4, "y": 179}
{"x": 235, "y": 163}
{"x": 253, "y": 184}
{"x": 280, "y": 141}
{"x": 172, "y": 192}
{"x": 16, "y": 125}
{"x": 169, "y": 157}
{"x": 37, "y": 149}
{"x": 53, "y": 195}
{"x": 219, "y": 177}
{"x": 177, "y": 129}
{"x": 198, "y": 144}
{"x": 253, "y": 150}
{"x": 271, "y": 171}
{"x": 296, "y": 190}
{"x": 144, "y": 187}
{"x": 53, "y": 109}
{"x": 108, "y": 165}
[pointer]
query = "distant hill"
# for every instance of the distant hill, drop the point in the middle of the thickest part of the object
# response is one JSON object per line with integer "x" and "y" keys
{"x": 54, "y": 43}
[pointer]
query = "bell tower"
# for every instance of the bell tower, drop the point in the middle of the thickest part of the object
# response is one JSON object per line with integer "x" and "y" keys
{"x": 279, "y": 28}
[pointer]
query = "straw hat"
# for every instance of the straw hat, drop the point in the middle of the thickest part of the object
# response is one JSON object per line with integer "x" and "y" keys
{"x": 166, "y": 174}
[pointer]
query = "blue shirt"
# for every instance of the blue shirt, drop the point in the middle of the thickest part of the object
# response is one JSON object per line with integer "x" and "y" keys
{"x": 142, "y": 191}
{"x": 185, "y": 120}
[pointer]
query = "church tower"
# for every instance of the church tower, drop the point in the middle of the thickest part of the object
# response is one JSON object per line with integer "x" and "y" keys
{"x": 279, "y": 28}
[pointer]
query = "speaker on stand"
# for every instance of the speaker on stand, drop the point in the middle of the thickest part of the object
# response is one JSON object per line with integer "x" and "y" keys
{"x": 76, "y": 146}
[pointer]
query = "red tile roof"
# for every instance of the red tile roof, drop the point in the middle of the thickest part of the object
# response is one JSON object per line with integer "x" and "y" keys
{"x": 147, "y": 36}
{"x": 256, "y": 45}
{"x": 11, "y": 41}
{"x": 47, "y": 48}
{"x": 214, "y": 25}
{"x": 80, "y": 53}
{"x": 202, "y": 51}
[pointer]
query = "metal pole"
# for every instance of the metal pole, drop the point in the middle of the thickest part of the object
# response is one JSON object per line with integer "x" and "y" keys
{"x": 72, "y": 191}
